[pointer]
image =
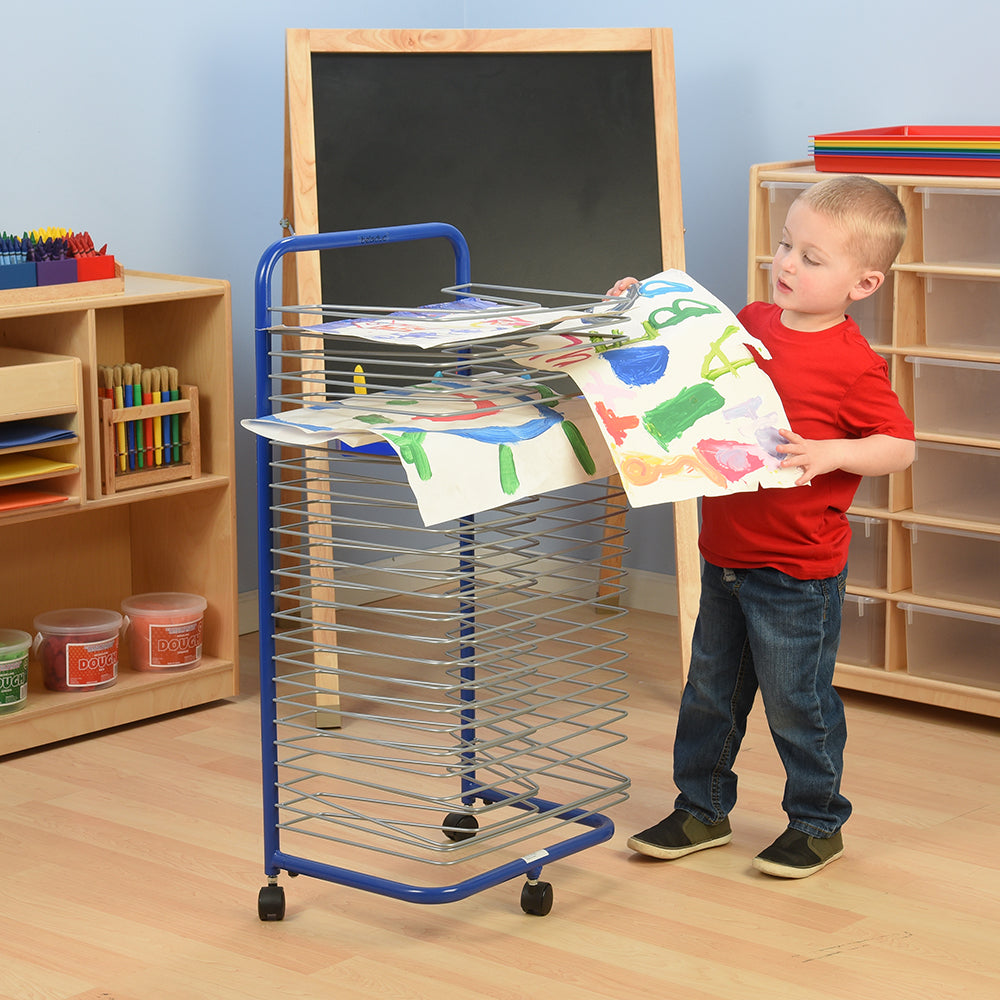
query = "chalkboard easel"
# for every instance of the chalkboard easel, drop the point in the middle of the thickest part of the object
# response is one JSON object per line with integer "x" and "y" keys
{"x": 554, "y": 152}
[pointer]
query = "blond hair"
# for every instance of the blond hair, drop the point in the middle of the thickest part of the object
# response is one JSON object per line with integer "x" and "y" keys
{"x": 869, "y": 213}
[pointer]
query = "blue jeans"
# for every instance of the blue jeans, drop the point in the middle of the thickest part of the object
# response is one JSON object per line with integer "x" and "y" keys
{"x": 759, "y": 628}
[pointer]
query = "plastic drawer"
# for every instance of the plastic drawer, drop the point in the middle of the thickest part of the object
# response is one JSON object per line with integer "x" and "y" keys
{"x": 955, "y": 565}
{"x": 961, "y": 226}
{"x": 952, "y": 646}
{"x": 960, "y": 481}
{"x": 873, "y": 492}
{"x": 862, "y": 631}
{"x": 866, "y": 561}
{"x": 961, "y": 312}
{"x": 960, "y": 398}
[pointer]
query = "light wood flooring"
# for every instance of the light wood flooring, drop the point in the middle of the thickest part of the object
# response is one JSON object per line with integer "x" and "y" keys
{"x": 132, "y": 861}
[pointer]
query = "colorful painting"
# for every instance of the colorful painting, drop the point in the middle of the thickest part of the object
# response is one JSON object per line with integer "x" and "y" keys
{"x": 682, "y": 403}
{"x": 465, "y": 447}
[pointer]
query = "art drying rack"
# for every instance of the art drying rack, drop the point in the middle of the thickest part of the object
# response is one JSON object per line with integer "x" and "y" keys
{"x": 433, "y": 699}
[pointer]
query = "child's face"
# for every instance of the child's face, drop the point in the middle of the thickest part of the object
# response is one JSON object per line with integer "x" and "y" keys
{"x": 814, "y": 278}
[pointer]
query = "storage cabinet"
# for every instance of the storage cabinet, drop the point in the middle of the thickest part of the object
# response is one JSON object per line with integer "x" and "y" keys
{"x": 95, "y": 548}
{"x": 926, "y": 541}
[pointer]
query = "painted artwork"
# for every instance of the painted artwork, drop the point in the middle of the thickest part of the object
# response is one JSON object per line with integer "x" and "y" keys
{"x": 465, "y": 447}
{"x": 683, "y": 405}
{"x": 463, "y": 321}
{"x": 672, "y": 399}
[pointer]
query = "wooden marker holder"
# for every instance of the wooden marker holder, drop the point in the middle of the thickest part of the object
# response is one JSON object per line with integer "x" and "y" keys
{"x": 113, "y": 479}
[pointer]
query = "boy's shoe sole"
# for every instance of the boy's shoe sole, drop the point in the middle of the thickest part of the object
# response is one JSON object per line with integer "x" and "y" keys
{"x": 679, "y": 834}
{"x": 795, "y": 854}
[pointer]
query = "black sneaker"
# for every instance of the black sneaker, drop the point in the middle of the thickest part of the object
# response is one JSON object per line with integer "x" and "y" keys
{"x": 795, "y": 854}
{"x": 679, "y": 834}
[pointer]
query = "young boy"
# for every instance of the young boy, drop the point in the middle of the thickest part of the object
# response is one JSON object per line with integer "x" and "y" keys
{"x": 775, "y": 560}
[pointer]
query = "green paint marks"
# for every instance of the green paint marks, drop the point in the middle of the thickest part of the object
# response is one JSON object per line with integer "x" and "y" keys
{"x": 508, "y": 474}
{"x": 725, "y": 366}
{"x": 672, "y": 417}
{"x": 677, "y": 312}
{"x": 410, "y": 446}
{"x": 580, "y": 448}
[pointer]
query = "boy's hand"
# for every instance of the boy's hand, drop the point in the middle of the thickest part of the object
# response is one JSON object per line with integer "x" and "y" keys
{"x": 875, "y": 455}
{"x": 620, "y": 285}
{"x": 812, "y": 457}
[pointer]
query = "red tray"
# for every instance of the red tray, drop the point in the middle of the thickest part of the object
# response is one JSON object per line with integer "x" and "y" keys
{"x": 955, "y": 150}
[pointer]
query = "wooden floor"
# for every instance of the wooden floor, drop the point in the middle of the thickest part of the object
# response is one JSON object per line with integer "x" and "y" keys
{"x": 132, "y": 861}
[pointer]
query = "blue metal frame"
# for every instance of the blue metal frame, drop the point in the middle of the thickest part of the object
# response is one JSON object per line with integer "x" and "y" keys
{"x": 599, "y": 827}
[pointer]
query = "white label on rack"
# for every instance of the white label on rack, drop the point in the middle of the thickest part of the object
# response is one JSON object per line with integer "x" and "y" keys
{"x": 537, "y": 856}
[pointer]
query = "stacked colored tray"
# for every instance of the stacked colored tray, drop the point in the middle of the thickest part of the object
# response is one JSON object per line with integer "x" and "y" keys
{"x": 954, "y": 150}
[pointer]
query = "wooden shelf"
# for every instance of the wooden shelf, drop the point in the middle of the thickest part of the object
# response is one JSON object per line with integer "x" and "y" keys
{"x": 898, "y": 328}
{"x": 49, "y": 716}
{"x": 99, "y": 549}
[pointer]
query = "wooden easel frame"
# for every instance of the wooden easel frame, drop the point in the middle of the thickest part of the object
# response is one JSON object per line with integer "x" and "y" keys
{"x": 301, "y": 275}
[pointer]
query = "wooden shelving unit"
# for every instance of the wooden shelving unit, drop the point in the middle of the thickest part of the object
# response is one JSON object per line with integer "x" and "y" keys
{"x": 95, "y": 549}
{"x": 923, "y": 647}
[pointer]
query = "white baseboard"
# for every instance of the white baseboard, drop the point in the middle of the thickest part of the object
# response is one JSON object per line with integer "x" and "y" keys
{"x": 646, "y": 591}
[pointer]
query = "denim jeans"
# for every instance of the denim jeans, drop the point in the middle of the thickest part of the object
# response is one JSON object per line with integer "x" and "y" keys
{"x": 759, "y": 628}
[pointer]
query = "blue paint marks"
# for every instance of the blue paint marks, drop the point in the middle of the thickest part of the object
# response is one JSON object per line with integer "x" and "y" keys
{"x": 638, "y": 366}
{"x": 508, "y": 435}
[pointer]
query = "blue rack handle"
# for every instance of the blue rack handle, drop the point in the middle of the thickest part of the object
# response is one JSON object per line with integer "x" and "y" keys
{"x": 335, "y": 241}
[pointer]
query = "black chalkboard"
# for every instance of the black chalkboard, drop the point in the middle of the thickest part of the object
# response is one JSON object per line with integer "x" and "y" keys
{"x": 545, "y": 161}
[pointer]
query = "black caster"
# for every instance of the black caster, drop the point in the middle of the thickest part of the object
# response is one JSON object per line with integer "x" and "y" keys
{"x": 460, "y": 826}
{"x": 536, "y": 898}
{"x": 271, "y": 903}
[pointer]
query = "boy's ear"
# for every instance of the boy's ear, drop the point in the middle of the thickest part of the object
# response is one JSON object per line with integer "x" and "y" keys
{"x": 869, "y": 283}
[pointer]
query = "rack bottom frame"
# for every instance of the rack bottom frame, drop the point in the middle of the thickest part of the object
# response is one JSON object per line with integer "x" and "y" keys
{"x": 435, "y": 699}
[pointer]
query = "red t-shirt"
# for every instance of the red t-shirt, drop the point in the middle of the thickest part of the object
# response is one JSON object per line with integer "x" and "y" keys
{"x": 832, "y": 385}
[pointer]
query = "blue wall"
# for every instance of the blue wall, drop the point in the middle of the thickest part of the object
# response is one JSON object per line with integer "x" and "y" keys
{"x": 160, "y": 129}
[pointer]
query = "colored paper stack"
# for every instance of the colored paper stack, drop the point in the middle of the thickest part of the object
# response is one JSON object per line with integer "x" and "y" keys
{"x": 952, "y": 150}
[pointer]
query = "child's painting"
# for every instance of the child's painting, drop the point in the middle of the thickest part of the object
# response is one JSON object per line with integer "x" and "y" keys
{"x": 464, "y": 447}
{"x": 683, "y": 405}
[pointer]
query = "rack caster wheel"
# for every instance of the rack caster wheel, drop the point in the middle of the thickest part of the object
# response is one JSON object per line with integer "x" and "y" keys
{"x": 460, "y": 826}
{"x": 536, "y": 898}
{"x": 271, "y": 903}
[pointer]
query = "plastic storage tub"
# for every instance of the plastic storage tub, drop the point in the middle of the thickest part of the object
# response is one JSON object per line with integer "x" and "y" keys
{"x": 955, "y": 565}
{"x": 961, "y": 225}
{"x": 958, "y": 398}
{"x": 78, "y": 648}
{"x": 862, "y": 631}
{"x": 952, "y": 646}
{"x": 960, "y": 481}
{"x": 873, "y": 492}
{"x": 14, "y": 647}
{"x": 164, "y": 630}
{"x": 961, "y": 312}
{"x": 866, "y": 560}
